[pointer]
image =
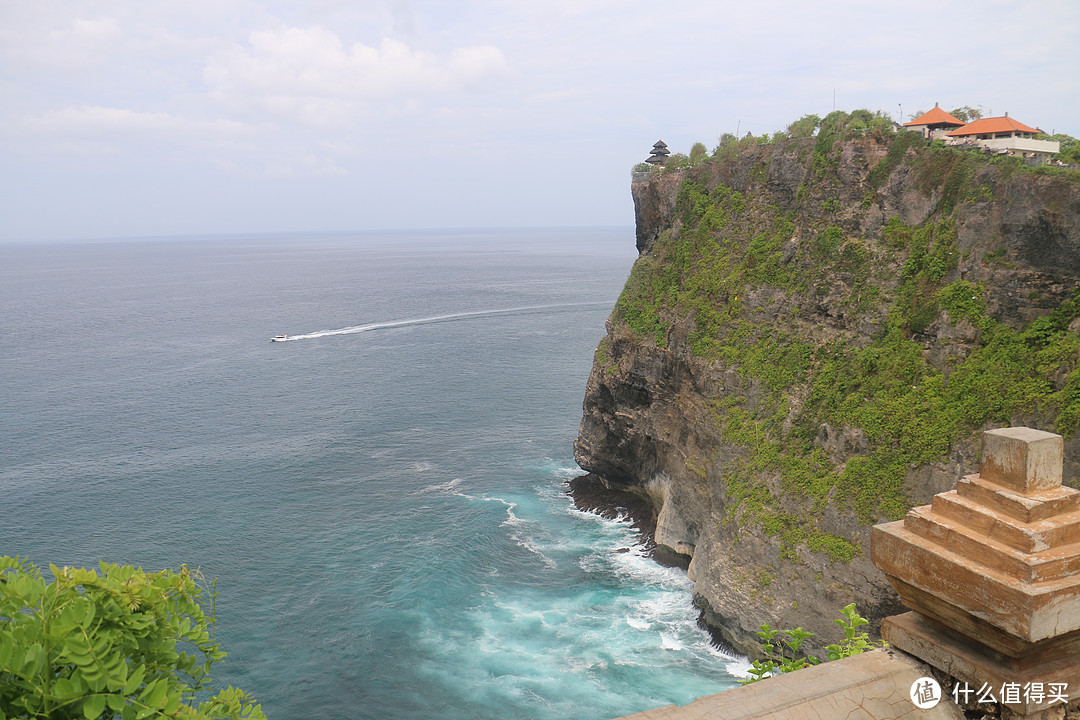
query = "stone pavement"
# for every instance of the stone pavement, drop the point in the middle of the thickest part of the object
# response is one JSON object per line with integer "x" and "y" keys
{"x": 872, "y": 686}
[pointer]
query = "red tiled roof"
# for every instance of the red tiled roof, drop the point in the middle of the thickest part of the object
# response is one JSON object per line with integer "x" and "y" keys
{"x": 988, "y": 126}
{"x": 936, "y": 116}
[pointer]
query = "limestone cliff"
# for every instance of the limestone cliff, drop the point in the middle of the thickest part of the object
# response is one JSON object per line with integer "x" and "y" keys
{"x": 812, "y": 338}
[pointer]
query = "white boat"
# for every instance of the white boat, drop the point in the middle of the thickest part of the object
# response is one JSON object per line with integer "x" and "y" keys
{"x": 279, "y": 338}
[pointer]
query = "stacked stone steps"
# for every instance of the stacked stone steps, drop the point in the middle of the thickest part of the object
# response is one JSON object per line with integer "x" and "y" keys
{"x": 996, "y": 557}
{"x": 1040, "y": 505}
{"x": 1027, "y": 537}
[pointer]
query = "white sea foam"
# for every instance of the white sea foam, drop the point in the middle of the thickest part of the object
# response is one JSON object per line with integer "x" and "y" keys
{"x": 738, "y": 666}
{"x": 568, "y": 472}
{"x": 450, "y": 487}
{"x": 669, "y": 642}
{"x": 511, "y": 518}
{"x": 531, "y": 546}
{"x": 451, "y": 317}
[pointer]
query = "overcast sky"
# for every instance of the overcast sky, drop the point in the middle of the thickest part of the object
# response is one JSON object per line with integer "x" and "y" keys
{"x": 127, "y": 118}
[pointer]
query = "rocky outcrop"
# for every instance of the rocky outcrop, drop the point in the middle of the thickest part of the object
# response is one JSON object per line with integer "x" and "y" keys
{"x": 810, "y": 342}
{"x": 654, "y": 207}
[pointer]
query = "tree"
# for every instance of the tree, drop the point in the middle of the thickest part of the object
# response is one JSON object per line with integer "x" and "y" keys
{"x": 966, "y": 114}
{"x": 678, "y": 161}
{"x": 804, "y": 126}
{"x": 697, "y": 153}
{"x": 125, "y": 643}
{"x": 1070, "y": 147}
{"x": 726, "y": 141}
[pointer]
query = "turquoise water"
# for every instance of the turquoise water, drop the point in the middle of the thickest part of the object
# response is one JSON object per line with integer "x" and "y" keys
{"x": 381, "y": 499}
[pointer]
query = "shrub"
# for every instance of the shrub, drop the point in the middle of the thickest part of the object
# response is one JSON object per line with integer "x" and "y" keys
{"x": 125, "y": 643}
{"x": 783, "y": 656}
{"x": 678, "y": 161}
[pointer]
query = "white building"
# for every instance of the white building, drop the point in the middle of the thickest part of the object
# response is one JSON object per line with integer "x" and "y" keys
{"x": 1005, "y": 136}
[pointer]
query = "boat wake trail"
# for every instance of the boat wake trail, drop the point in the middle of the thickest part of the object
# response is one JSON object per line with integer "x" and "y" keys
{"x": 354, "y": 329}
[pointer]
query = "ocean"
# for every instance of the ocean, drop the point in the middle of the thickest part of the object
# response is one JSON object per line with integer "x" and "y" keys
{"x": 381, "y": 499}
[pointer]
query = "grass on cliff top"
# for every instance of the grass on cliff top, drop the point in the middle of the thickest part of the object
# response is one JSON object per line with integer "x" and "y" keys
{"x": 728, "y": 253}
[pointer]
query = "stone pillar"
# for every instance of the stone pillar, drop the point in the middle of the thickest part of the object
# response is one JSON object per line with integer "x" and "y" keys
{"x": 991, "y": 572}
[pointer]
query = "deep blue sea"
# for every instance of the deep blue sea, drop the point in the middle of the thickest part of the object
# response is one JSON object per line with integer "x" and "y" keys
{"x": 381, "y": 499}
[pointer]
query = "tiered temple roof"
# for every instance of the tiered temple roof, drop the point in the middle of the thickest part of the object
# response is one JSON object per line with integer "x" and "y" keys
{"x": 659, "y": 153}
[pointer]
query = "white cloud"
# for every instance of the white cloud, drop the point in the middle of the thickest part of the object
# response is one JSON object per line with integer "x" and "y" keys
{"x": 308, "y": 75}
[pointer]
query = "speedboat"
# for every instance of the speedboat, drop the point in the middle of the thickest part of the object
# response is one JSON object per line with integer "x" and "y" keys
{"x": 279, "y": 338}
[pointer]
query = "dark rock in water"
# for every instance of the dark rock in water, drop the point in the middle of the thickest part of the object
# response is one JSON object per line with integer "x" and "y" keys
{"x": 592, "y": 494}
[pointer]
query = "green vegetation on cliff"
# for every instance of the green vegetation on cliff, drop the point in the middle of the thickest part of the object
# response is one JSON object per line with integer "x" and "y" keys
{"x": 750, "y": 286}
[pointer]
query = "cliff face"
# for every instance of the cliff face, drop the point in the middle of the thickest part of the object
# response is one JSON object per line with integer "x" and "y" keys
{"x": 811, "y": 340}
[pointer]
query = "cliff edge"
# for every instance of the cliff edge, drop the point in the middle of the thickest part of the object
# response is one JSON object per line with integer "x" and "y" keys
{"x": 813, "y": 337}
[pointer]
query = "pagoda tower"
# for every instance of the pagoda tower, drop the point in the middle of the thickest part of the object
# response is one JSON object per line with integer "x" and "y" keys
{"x": 659, "y": 153}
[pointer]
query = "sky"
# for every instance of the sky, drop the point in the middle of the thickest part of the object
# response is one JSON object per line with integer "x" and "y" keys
{"x": 149, "y": 118}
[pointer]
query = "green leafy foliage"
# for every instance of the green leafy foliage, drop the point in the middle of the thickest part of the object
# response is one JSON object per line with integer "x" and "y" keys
{"x": 677, "y": 161}
{"x": 912, "y": 414}
{"x": 124, "y": 643}
{"x": 855, "y": 641}
{"x": 698, "y": 152}
{"x": 782, "y": 655}
{"x": 805, "y": 126}
{"x": 1069, "y": 151}
{"x": 966, "y": 113}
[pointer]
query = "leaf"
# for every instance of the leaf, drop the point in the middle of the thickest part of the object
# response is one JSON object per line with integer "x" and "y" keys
{"x": 117, "y": 677}
{"x": 65, "y": 689}
{"x": 80, "y": 660}
{"x": 33, "y": 657}
{"x": 6, "y": 648}
{"x": 94, "y": 678}
{"x": 173, "y": 704}
{"x": 76, "y": 650}
{"x": 93, "y": 706}
{"x": 134, "y": 680}
{"x": 116, "y": 702}
{"x": 156, "y": 697}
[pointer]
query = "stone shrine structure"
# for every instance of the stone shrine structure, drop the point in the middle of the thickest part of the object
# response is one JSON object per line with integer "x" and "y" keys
{"x": 990, "y": 572}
